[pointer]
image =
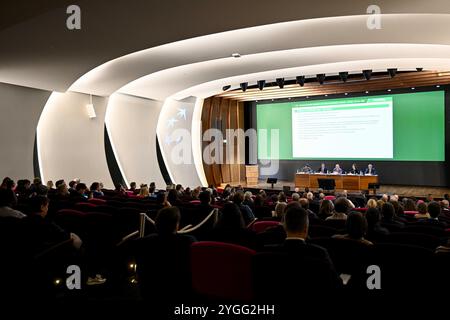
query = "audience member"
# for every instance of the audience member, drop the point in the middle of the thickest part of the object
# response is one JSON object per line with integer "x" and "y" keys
{"x": 7, "y": 202}
{"x": 356, "y": 227}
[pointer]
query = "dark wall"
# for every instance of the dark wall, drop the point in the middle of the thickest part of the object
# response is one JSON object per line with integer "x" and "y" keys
{"x": 419, "y": 173}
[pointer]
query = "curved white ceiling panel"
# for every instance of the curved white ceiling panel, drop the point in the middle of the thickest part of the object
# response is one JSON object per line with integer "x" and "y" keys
{"x": 349, "y": 30}
{"x": 289, "y": 63}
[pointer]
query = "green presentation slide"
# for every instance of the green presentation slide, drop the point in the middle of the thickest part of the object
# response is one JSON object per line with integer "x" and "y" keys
{"x": 396, "y": 127}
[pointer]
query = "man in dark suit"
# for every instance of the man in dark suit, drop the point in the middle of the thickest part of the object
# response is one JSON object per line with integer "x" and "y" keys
{"x": 434, "y": 210}
{"x": 296, "y": 225}
{"x": 370, "y": 170}
{"x": 323, "y": 168}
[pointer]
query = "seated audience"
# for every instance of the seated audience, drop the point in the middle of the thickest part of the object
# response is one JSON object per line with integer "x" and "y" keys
{"x": 62, "y": 192}
{"x": 326, "y": 209}
{"x": 72, "y": 187}
{"x": 295, "y": 196}
{"x": 388, "y": 217}
{"x": 45, "y": 232}
{"x": 278, "y": 213}
{"x": 204, "y": 208}
{"x": 304, "y": 203}
{"x": 371, "y": 203}
{"x": 375, "y": 231}
{"x": 37, "y": 188}
{"x": 144, "y": 193}
{"x": 296, "y": 225}
{"x": 81, "y": 193}
{"x": 23, "y": 189}
{"x": 247, "y": 213}
{"x": 261, "y": 210}
{"x": 434, "y": 211}
{"x": 422, "y": 212}
{"x": 248, "y": 200}
{"x": 7, "y": 202}
{"x": 173, "y": 198}
{"x": 164, "y": 260}
{"x": 409, "y": 204}
{"x": 445, "y": 207}
{"x": 341, "y": 207}
{"x": 231, "y": 228}
{"x": 96, "y": 190}
{"x": 133, "y": 187}
{"x": 356, "y": 227}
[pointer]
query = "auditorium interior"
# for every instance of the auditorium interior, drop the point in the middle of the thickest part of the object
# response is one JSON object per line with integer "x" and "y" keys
{"x": 214, "y": 159}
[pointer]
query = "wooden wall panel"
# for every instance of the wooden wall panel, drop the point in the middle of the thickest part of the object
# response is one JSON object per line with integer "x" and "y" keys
{"x": 223, "y": 114}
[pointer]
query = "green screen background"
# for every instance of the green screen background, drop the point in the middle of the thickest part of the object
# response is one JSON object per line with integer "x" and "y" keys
{"x": 418, "y": 124}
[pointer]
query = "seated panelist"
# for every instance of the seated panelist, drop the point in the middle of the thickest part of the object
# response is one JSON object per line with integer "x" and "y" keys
{"x": 337, "y": 169}
{"x": 306, "y": 169}
{"x": 354, "y": 169}
{"x": 322, "y": 169}
{"x": 370, "y": 170}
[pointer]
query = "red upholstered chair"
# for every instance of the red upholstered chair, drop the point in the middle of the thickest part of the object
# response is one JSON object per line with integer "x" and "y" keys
{"x": 84, "y": 206}
{"x": 360, "y": 209}
{"x": 261, "y": 226}
{"x": 222, "y": 270}
{"x": 331, "y": 198}
{"x": 97, "y": 201}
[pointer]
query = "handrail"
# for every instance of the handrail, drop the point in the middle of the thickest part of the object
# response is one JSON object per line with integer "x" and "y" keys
{"x": 54, "y": 247}
{"x": 186, "y": 227}
{"x": 129, "y": 236}
{"x": 211, "y": 214}
{"x": 252, "y": 222}
{"x": 141, "y": 232}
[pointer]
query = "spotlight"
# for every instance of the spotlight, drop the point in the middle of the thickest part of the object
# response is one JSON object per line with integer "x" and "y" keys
{"x": 344, "y": 76}
{"x": 419, "y": 69}
{"x": 301, "y": 80}
{"x": 244, "y": 86}
{"x": 280, "y": 82}
{"x": 392, "y": 72}
{"x": 321, "y": 78}
{"x": 438, "y": 86}
{"x": 261, "y": 84}
{"x": 367, "y": 74}
{"x": 225, "y": 88}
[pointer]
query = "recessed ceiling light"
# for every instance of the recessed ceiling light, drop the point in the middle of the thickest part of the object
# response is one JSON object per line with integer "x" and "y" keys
{"x": 389, "y": 90}
{"x": 367, "y": 91}
{"x": 326, "y": 95}
{"x": 346, "y": 93}
{"x": 289, "y": 98}
{"x": 438, "y": 86}
{"x": 236, "y": 55}
{"x": 413, "y": 88}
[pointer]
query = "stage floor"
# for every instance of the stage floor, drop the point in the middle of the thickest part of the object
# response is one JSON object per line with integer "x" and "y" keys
{"x": 401, "y": 190}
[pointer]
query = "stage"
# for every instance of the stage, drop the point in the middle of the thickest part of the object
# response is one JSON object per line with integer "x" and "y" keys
{"x": 401, "y": 190}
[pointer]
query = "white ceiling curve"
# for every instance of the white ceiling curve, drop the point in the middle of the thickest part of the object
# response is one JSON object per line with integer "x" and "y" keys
{"x": 40, "y": 52}
{"x": 162, "y": 71}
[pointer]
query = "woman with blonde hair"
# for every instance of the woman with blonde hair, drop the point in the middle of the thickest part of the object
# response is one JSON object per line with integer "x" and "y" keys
{"x": 144, "y": 191}
{"x": 372, "y": 203}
